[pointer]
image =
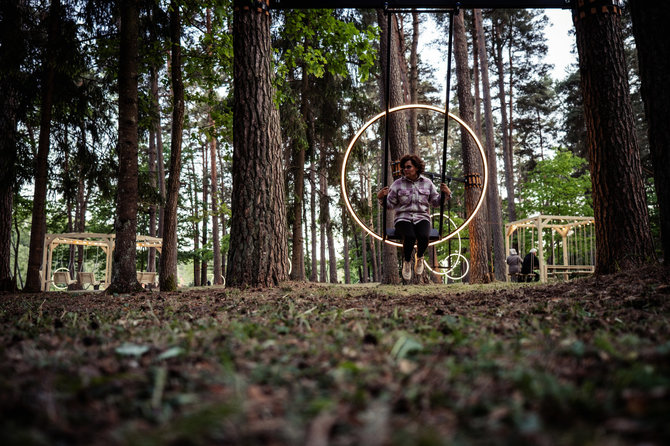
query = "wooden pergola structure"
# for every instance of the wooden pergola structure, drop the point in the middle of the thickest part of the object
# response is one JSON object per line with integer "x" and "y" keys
{"x": 571, "y": 253}
{"x": 106, "y": 242}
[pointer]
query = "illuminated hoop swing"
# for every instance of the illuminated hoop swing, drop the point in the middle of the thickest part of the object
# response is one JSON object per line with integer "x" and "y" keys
{"x": 345, "y": 162}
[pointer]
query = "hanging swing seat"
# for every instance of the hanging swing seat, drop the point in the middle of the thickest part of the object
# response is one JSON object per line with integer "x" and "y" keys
{"x": 63, "y": 278}
{"x": 391, "y": 235}
{"x": 87, "y": 278}
{"x": 146, "y": 277}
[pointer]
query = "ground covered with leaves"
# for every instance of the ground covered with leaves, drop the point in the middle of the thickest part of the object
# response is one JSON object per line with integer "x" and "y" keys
{"x": 579, "y": 362}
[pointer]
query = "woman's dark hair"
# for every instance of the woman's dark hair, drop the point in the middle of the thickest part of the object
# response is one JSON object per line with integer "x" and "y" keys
{"x": 416, "y": 161}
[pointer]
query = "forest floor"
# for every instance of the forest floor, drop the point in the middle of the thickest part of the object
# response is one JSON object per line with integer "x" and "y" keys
{"x": 570, "y": 363}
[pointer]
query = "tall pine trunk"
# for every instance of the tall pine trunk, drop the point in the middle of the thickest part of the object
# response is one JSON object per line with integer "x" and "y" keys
{"x": 508, "y": 159}
{"x": 471, "y": 160}
{"x": 195, "y": 227}
{"x": 323, "y": 208}
{"x": 398, "y": 139}
{"x": 216, "y": 243}
{"x": 153, "y": 176}
{"x": 297, "y": 255}
{"x": 297, "y": 248}
{"x": 123, "y": 265}
{"x": 10, "y": 105}
{"x": 649, "y": 22}
{"x": 204, "y": 264}
{"x": 168, "y": 279}
{"x": 258, "y": 236}
{"x": 313, "y": 276}
{"x": 623, "y": 237}
{"x": 39, "y": 224}
{"x": 345, "y": 243}
{"x": 493, "y": 197}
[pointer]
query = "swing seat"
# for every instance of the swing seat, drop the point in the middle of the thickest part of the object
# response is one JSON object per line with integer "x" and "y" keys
{"x": 87, "y": 278}
{"x": 391, "y": 235}
{"x": 147, "y": 277}
{"x": 63, "y": 277}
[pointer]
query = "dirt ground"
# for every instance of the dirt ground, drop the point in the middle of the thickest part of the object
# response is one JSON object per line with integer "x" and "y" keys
{"x": 579, "y": 362}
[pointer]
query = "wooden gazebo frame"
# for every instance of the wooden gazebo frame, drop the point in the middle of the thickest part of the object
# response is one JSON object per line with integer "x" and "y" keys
{"x": 570, "y": 229}
{"x": 104, "y": 241}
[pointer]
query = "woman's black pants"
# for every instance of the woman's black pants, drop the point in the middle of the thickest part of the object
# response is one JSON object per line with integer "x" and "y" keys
{"x": 412, "y": 233}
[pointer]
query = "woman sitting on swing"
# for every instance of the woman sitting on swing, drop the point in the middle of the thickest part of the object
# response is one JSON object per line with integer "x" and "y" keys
{"x": 411, "y": 195}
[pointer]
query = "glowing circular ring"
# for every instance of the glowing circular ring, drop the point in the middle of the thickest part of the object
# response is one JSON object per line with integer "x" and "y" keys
{"x": 343, "y": 172}
{"x": 446, "y": 273}
{"x": 59, "y": 288}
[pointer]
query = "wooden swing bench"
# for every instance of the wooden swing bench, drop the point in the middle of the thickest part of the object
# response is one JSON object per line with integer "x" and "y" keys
{"x": 87, "y": 278}
{"x": 147, "y": 277}
{"x": 565, "y": 270}
{"x": 63, "y": 277}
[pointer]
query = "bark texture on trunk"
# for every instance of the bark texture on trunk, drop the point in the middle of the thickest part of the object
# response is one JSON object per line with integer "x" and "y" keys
{"x": 39, "y": 223}
{"x": 258, "y": 236}
{"x": 649, "y": 22}
{"x": 168, "y": 279}
{"x": 508, "y": 158}
{"x": 471, "y": 160}
{"x": 398, "y": 138}
{"x": 492, "y": 197}
{"x": 124, "y": 270}
{"x": 11, "y": 55}
{"x": 623, "y": 237}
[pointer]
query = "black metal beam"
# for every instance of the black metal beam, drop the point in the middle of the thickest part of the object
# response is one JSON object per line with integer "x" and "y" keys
{"x": 421, "y": 4}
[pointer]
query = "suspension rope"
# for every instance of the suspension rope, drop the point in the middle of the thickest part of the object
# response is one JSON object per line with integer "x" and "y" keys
{"x": 446, "y": 120}
{"x": 387, "y": 99}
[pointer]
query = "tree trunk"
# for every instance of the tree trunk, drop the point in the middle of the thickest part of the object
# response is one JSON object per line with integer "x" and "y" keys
{"x": 124, "y": 271}
{"x": 168, "y": 279}
{"x": 313, "y": 276}
{"x": 308, "y": 258}
{"x": 649, "y": 22}
{"x": 345, "y": 244}
{"x": 471, "y": 160}
{"x": 160, "y": 163}
{"x": 373, "y": 252}
{"x": 365, "y": 191}
{"x": 222, "y": 194}
{"x": 364, "y": 257}
{"x": 11, "y": 56}
{"x": 258, "y": 240}
{"x": 323, "y": 209}
{"x": 398, "y": 140}
{"x": 508, "y": 159}
{"x": 493, "y": 197}
{"x": 153, "y": 175}
{"x": 38, "y": 226}
{"x": 204, "y": 265}
{"x": 476, "y": 71}
{"x": 619, "y": 202}
{"x": 216, "y": 242}
{"x": 193, "y": 195}
{"x": 332, "y": 258}
{"x": 297, "y": 255}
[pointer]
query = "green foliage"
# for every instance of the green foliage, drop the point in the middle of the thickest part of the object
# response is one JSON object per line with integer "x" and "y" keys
{"x": 322, "y": 42}
{"x": 556, "y": 187}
